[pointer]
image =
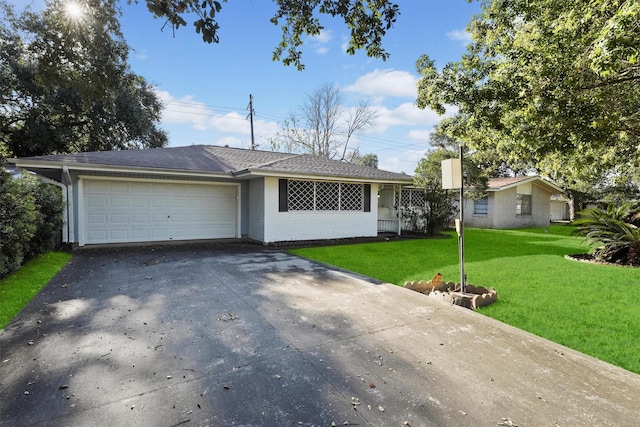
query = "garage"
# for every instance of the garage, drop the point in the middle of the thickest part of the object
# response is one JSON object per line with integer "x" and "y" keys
{"x": 125, "y": 211}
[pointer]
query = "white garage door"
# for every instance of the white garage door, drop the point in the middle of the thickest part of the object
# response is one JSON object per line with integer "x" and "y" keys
{"x": 141, "y": 211}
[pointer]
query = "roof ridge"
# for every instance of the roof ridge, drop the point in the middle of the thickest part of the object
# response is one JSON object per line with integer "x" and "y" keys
{"x": 261, "y": 165}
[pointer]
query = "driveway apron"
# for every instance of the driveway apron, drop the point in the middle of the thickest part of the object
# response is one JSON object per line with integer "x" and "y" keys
{"x": 253, "y": 336}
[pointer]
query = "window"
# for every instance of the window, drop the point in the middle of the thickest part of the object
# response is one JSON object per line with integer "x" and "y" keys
{"x": 523, "y": 204}
{"x": 411, "y": 198}
{"x": 481, "y": 207}
{"x": 298, "y": 195}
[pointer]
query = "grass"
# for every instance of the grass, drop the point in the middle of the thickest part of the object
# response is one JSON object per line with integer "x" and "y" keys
{"x": 590, "y": 308}
{"x": 19, "y": 288}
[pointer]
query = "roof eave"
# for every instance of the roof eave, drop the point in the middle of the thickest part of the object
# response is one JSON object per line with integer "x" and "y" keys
{"x": 117, "y": 169}
{"x": 536, "y": 180}
{"x": 248, "y": 173}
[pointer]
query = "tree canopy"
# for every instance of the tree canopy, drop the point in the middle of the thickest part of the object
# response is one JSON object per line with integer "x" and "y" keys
{"x": 67, "y": 86}
{"x": 368, "y": 22}
{"x": 440, "y": 204}
{"x": 547, "y": 85}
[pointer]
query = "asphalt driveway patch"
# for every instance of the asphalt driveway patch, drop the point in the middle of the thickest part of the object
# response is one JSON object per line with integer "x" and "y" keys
{"x": 252, "y": 336}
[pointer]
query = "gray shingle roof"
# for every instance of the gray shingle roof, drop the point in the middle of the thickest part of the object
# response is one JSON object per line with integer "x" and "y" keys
{"x": 218, "y": 160}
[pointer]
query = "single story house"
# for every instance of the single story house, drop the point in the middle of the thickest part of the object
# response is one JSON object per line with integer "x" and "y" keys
{"x": 211, "y": 192}
{"x": 513, "y": 203}
{"x": 560, "y": 208}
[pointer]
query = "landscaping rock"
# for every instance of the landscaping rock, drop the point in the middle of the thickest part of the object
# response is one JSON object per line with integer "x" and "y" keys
{"x": 449, "y": 292}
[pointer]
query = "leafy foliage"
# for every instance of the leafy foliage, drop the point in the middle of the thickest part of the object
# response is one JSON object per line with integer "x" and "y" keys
{"x": 67, "y": 86}
{"x": 367, "y": 21}
{"x": 615, "y": 232}
{"x": 30, "y": 220}
{"x": 440, "y": 204}
{"x": 552, "y": 84}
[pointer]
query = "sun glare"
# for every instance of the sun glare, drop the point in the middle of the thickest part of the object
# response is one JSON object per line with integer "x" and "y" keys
{"x": 74, "y": 10}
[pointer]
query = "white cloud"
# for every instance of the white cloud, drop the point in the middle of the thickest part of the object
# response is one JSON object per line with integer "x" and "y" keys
{"x": 325, "y": 36}
{"x": 344, "y": 45}
{"x": 383, "y": 83}
{"x": 141, "y": 54}
{"x": 231, "y": 142}
{"x": 419, "y": 135}
{"x": 321, "y": 41}
{"x": 406, "y": 114}
{"x": 186, "y": 110}
{"x": 405, "y": 161}
{"x": 459, "y": 35}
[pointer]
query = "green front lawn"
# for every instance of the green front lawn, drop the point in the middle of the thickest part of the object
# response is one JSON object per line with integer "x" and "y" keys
{"x": 590, "y": 308}
{"x": 20, "y": 287}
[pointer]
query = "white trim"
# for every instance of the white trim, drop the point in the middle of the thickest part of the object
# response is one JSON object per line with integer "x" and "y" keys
{"x": 81, "y": 225}
{"x": 118, "y": 169}
{"x": 320, "y": 177}
{"x": 70, "y": 203}
{"x": 535, "y": 180}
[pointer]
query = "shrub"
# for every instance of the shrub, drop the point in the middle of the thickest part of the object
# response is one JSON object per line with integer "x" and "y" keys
{"x": 48, "y": 200}
{"x": 615, "y": 232}
{"x": 30, "y": 220}
{"x": 17, "y": 222}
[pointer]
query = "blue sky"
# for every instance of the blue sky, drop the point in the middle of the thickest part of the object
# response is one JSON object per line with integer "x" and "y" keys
{"x": 206, "y": 87}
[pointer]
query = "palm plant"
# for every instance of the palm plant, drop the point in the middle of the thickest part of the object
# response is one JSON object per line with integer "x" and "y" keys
{"x": 614, "y": 232}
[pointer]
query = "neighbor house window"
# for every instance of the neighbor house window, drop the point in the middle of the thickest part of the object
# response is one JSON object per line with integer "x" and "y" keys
{"x": 481, "y": 207}
{"x": 523, "y": 204}
{"x": 300, "y": 195}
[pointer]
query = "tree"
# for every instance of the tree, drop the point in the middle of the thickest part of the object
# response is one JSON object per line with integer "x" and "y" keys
{"x": 67, "y": 86}
{"x": 323, "y": 126}
{"x": 440, "y": 204}
{"x": 555, "y": 83}
{"x": 370, "y": 160}
{"x": 367, "y": 21}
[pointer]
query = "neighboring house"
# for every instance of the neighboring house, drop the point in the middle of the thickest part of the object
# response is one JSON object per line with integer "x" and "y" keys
{"x": 209, "y": 192}
{"x": 512, "y": 203}
{"x": 560, "y": 208}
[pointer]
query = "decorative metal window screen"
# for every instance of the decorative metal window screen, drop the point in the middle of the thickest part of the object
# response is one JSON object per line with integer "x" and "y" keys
{"x": 523, "y": 204}
{"x": 350, "y": 197}
{"x": 409, "y": 198}
{"x": 301, "y": 195}
{"x": 324, "y": 196}
{"x": 481, "y": 207}
{"x": 327, "y": 196}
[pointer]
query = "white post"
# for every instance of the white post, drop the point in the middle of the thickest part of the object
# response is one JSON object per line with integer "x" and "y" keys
{"x": 452, "y": 178}
{"x": 463, "y": 276}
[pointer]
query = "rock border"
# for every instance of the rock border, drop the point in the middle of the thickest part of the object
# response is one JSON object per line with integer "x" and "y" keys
{"x": 449, "y": 293}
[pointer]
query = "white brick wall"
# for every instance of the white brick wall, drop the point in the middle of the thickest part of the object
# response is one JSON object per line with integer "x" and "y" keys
{"x": 285, "y": 226}
{"x": 502, "y": 211}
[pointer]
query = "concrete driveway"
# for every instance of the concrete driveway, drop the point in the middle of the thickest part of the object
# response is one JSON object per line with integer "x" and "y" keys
{"x": 251, "y": 336}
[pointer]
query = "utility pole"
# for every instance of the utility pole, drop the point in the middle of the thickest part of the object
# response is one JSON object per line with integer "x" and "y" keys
{"x": 250, "y": 116}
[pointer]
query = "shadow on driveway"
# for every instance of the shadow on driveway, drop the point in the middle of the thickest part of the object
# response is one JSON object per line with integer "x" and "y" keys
{"x": 257, "y": 337}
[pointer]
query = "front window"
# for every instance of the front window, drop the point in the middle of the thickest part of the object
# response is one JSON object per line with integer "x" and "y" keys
{"x": 523, "y": 204}
{"x": 481, "y": 207}
{"x": 325, "y": 196}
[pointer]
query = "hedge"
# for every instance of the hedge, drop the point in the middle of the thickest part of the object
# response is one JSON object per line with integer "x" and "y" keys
{"x": 30, "y": 220}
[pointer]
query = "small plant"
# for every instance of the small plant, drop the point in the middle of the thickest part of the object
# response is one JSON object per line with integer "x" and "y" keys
{"x": 614, "y": 232}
